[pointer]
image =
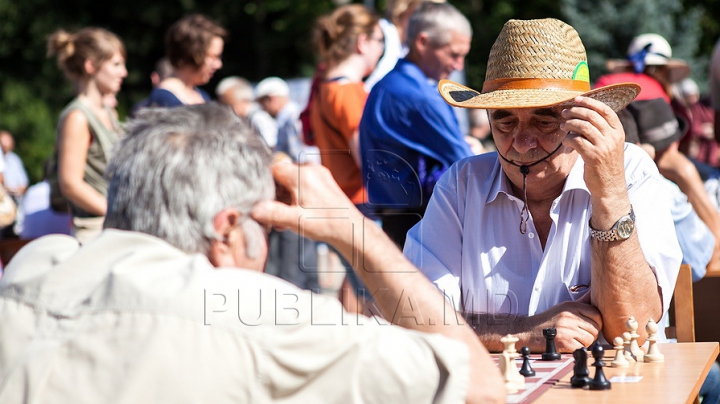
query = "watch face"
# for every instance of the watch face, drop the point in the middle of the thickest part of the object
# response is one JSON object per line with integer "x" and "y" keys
{"x": 625, "y": 228}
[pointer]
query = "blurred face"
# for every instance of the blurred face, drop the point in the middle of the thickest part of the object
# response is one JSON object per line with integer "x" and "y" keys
{"x": 110, "y": 75}
{"x": 373, "y": 49}
{"x": 213, "y": 61}
{"x": 6, "y": 142}
{"x": 437, "y": 62}
{"x": 241, "y": 107}
{"x": 527, "y": 135}
{"x": 272, "y": 104}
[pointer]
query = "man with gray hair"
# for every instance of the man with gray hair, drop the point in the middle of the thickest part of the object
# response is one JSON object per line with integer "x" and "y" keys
{"x": 238, "y": 93}
{"x": 169, "y": 303}
{"x": 408, "y": 135}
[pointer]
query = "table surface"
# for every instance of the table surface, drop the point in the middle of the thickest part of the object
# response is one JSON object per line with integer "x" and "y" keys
{"x": 677, "y": 380}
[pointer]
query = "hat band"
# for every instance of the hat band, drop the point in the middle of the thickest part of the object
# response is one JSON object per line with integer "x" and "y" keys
{"x": 536, "y": 84}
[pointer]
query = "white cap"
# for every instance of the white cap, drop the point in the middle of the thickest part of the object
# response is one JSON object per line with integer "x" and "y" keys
{"x": 659, "y": 52}
{"x": 272, "y": 86}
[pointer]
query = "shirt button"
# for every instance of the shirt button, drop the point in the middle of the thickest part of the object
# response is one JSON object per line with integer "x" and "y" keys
{"x": 531, "y": 235}
{"x": 537, "y": 288}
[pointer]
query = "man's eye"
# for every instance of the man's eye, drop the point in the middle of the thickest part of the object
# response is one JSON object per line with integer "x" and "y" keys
{"x": 504, "y": 126}
{"x": 547, "y": 125}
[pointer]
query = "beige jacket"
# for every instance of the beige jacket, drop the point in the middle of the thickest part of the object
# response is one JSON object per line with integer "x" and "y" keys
{"x": 128, "y": 318}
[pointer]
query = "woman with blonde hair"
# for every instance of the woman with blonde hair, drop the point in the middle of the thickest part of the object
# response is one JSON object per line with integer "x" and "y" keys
{"x": 349, "y": 42}
{"x": 194, "y": 45}
{"x": 94, "y": 60}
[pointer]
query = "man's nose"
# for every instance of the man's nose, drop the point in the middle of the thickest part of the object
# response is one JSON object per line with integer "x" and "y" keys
{"x": 524, "y": 142}
{"x": 459, "y": 63}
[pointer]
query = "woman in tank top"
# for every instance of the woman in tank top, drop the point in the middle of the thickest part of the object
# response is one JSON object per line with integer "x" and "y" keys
{"x": 94, "y": 60}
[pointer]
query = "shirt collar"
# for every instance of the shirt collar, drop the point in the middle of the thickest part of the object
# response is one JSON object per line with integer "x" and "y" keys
{"x": 413, "y": 70}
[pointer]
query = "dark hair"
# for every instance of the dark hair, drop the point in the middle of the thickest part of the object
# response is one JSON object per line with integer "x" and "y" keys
{"x": 188, "y": 39}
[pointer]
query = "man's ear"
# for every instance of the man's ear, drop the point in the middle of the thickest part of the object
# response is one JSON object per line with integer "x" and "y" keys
{"x": 222, "y": 252}
{"x": 422, "y": 42}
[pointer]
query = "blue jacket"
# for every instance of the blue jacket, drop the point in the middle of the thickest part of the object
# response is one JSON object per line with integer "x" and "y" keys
{"x": 409, "y": 136}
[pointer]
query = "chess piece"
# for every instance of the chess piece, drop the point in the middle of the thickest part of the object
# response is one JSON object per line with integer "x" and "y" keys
{"x": 620, "y": 361}
{"x": 653, "y": 354}
{"x": 581, "y": 374}
{"x": 632, "y": 326}
{"x": 514, "y": 381}
{"x": 599, "y": 382}
{"x": 550, "y": 353}
{"x": 626, "y": 342}
{"x": 526, "y": 370}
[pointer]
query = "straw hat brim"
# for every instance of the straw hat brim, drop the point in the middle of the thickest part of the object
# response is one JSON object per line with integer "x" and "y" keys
{"x": 616, "y": 96}
{"x": 678, "y": 69}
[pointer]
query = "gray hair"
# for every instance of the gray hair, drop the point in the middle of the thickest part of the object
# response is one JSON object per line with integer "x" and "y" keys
{"x": 176, "y": 169}
{"x": 438, "y": 20}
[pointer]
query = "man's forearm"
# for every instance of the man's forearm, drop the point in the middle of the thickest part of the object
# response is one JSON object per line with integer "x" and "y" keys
{"x": 407, "y": 298}
{"x": 623, "y": 285}
{"x": 491, "y": 327}
{"x": 401, "y": 292}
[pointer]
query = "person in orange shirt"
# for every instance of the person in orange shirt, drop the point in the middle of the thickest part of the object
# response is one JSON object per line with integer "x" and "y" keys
{"x": 350, "y": 42}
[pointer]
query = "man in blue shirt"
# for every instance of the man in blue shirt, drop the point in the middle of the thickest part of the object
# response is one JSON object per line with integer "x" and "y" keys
{"x": 408, "y": 135}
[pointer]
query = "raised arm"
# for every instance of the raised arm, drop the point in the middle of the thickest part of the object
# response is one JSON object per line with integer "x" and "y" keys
{"x": 623, "y": 283}
{"x": 312, "y": 194}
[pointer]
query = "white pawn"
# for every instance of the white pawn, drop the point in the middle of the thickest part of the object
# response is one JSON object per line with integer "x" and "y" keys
{"x": 632, "y": 326}
{"x": 514, "y": 381}
{"x": 620, "y": 360}
{"x": 628, "y": 353}
{"x": 653, "y": 354}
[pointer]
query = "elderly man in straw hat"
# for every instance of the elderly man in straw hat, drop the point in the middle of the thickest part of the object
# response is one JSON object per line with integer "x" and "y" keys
{"x": 562, "y": 227}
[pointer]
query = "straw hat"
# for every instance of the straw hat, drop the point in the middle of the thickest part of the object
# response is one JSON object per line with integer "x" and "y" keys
{"x": 650, "y": 50}
{"x": 536, "y": 63}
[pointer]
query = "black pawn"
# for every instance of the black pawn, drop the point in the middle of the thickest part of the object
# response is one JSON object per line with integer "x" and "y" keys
{"x": 550, "y": 353}
{"x": 581, "y": 374}
{"x": 599, "y": 382}
{"x": 526, "y": 370}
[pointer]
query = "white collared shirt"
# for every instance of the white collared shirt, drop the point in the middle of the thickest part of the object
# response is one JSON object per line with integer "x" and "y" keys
{"x": 470, "y": 246}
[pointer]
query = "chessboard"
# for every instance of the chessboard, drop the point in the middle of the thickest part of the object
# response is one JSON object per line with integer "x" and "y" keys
{"x": 547, "y": 374}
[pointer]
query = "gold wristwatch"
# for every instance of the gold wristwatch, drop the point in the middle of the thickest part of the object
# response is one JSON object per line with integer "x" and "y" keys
{"x": 621, "y": 230}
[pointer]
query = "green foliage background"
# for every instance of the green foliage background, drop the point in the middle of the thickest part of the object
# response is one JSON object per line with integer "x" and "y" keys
{"x": 272, "y": 37}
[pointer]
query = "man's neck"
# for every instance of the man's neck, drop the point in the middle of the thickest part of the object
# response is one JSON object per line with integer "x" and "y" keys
{"x": 414, "y": 57}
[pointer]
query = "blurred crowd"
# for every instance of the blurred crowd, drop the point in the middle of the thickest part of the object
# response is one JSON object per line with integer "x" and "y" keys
{"x": 373, "y": 117}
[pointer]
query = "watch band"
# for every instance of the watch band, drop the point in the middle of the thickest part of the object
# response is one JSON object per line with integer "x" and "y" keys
{"x": 612, "y": 234}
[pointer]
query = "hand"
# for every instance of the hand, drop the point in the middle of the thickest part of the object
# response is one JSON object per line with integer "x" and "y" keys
{"x": 310, "y": 203}
{"x": 595, "y": 132}
{"x": 578, "y": 325}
